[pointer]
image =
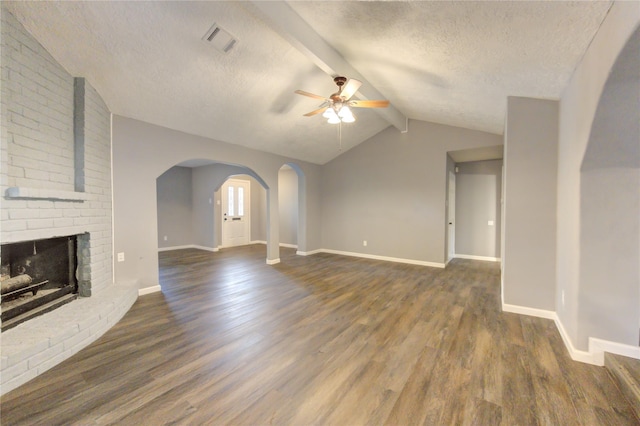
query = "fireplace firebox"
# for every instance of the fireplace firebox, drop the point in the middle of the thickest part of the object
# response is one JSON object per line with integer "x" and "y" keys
{"x": 36, "y": 277}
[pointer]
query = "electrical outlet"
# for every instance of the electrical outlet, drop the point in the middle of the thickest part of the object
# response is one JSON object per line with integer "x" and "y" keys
{"x": 490, "y": 223}
{"x": 364, "y": 243}
{"x": 121, "y": 257}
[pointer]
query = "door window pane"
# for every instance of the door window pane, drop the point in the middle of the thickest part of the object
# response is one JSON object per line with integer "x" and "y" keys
{"x": 240, "y": 201}
{"x": 230, "y": 210}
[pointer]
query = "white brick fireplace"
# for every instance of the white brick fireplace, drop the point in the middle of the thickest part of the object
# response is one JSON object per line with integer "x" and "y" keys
{"x": 55, "y": 175}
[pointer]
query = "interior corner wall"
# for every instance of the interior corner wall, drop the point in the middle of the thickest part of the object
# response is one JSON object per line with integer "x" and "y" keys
{"x": 391, "y": 191}
{"x": 478, "y": 193}
{"x": 288, "y": 200}
{"x": 530, "y": 161}
{"x": 175, "y": 208}
{"x": 578, "y": 105}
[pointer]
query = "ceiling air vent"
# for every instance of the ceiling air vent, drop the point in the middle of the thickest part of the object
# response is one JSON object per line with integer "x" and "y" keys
{"x": 220, "y": 38}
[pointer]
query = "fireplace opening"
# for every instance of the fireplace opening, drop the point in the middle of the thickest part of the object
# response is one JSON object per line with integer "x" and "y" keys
{"x": 36, "y": 277}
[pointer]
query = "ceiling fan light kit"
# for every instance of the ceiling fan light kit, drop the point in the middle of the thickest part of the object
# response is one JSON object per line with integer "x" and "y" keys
{"x": 337, "y": 114}
{"x": 336, "y": 107}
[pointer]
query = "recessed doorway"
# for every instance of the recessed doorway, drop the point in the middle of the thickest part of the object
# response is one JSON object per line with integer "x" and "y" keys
{"x": 236, "y": 212}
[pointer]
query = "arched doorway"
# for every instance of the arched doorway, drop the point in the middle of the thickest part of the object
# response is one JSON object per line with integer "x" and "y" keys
{"x": 189, "y": 206}
{"x": 609, "y": 293}
{"x": 291, "y": 203}
{"x": 288, "y": 206}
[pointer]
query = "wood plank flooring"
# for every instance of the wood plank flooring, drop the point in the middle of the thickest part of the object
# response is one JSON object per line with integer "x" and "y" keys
{"x": 322, "y": 339}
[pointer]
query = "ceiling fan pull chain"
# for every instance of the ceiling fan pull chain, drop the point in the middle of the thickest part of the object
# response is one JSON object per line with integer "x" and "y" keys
{"x": 340, "y": 134}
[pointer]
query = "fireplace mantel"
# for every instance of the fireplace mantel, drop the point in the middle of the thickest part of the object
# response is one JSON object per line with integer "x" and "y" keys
{"x": 20, "y": 192}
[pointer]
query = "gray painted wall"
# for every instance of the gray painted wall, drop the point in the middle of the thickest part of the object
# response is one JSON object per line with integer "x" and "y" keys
{"x": 531, "y": 159}
{"x": 258, "y": 211}
{"x": 174, "y": 207}
{"x": 288, "y": 198}
{"x": 578, "y": 106}
{"x": 478, "y": 193}
{"x": 610, "y": 256}
{"x": 391, "y": 191}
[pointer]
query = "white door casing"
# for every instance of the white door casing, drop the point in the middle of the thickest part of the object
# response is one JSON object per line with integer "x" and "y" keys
{"x": 236, "y": 212}
{"x": 452, "y": 216}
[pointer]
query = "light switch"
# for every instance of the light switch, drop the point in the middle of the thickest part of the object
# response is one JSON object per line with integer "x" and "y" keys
{"x": 490, "y": 223}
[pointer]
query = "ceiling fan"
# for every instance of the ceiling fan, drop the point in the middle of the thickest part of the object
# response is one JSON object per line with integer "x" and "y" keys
{"x": 336, "y": 108}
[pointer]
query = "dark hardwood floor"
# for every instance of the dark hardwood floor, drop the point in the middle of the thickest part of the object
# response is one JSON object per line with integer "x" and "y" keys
{"x": 322, "y": 339}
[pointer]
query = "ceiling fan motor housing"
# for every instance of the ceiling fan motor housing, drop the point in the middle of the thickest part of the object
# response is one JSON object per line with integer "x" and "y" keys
{"x": 340, "y": 81}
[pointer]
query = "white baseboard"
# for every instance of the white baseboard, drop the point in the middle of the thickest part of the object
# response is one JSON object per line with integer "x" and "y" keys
{"x": 576, "y": 355}
{"x": 188, "y": 246}
{"x": 532, "y": 312}
{"x": 294, "y": 246}
{"x": 211, "y": 249}
{"x": 149, "y": 290}
{"x": 175, "y": 248}
{"x": 353, "y": 254}
{"x": 598, "y": 347}
{"x": 273, "y": 261}
{"x": 308, "y": 253}
{"x": 385, "y": 258}
{"x": 473, "y": 257}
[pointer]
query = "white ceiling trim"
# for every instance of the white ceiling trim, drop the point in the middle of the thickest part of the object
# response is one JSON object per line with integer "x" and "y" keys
{"x": 286, "y": 22}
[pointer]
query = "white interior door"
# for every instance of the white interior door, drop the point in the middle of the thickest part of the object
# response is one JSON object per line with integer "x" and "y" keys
{"x": 451, "y": 244}
{"x": 236, "y": 213}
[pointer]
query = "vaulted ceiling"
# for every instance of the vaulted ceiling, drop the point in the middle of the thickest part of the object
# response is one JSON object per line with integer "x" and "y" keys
{"x": 453, "y": 63}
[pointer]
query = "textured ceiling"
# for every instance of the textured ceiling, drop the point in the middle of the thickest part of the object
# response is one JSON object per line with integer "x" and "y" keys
{"x": 447, "y": 62}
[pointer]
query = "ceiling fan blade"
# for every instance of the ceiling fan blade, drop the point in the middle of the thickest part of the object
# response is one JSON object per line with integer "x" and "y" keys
{"x": 311, "y": 95}
{"x": 318, "y": 111}
{"x": 350, "y": 88}
{"x": 369, "y": 104}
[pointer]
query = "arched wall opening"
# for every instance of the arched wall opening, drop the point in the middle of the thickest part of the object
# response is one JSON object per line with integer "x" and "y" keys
{"x": 189, "y": 204}
{"x": 609, "y": 292}
{"x": 291, "y": 204}
{"x": 288, "y": 206}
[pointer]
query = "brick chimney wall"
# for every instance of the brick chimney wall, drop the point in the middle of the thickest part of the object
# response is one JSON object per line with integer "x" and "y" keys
{"x": 55, "y": 180}
{"x": 56, "y": 152}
